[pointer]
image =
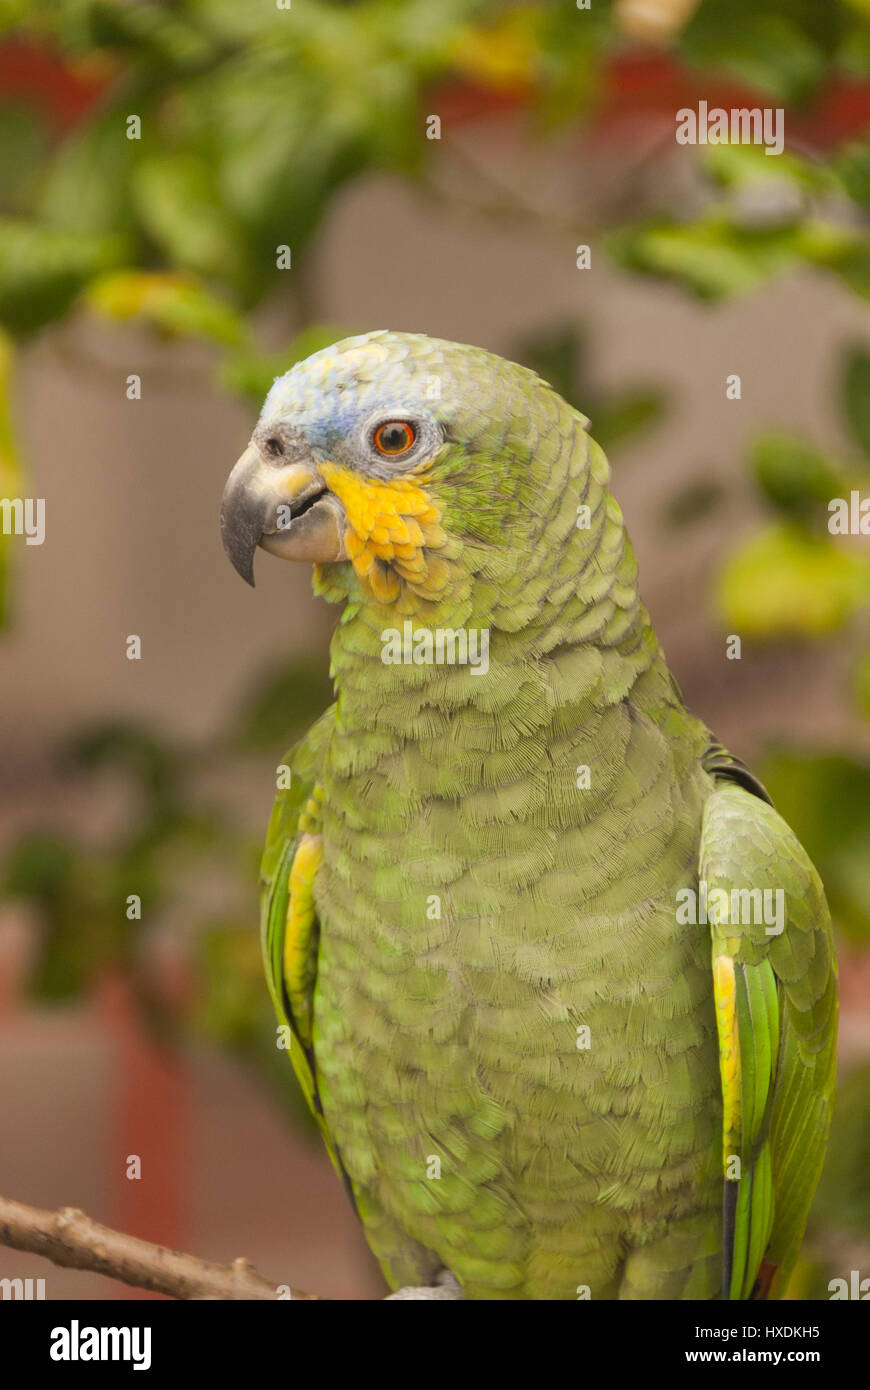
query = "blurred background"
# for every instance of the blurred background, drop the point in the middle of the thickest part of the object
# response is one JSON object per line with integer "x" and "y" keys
{"x": 150, "y": 248}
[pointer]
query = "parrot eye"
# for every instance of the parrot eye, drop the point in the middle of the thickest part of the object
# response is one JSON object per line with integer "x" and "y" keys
{"x": 394, "y": 437}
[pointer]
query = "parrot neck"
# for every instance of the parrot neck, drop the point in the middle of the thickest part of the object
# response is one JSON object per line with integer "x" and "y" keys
{"x": 517, "y": 648}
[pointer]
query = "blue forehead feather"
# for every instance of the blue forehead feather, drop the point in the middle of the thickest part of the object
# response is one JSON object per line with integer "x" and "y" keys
{"x": 329, "y": 394}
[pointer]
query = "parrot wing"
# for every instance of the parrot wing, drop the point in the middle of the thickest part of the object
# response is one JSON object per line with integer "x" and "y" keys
{"x": 775, "y": 991}
{"x": 289, "y": 927}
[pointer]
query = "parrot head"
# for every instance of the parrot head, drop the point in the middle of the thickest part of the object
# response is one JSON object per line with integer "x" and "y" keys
{"x": 369, "y": 452}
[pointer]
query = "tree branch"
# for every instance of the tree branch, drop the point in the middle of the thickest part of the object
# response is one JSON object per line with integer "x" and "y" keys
{"x": 70, "y": 1238}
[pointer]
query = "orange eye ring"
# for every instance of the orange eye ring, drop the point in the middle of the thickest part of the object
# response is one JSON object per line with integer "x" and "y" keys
{"x": 394, "y": 437}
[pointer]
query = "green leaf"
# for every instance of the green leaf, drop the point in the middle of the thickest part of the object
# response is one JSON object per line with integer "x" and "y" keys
{"x": 702, "y": 257}
{"x": 715, "y": 258}
{"x": 282, "y": 704}
{"x": 853, "y": 167}
{"x": 693, "y": 503}
{"x": 152, "y": 764}
{"x": 38, "y": 867}
{"x": 571, "y": 62}
{"x": 282, "y": 141}
{"x": 738, "y": 166}
{"x": 620, "y": 417}
{"x": 175, "y": 304}
{"x": 86, "y": 186}
{"x": 793, "y": 475}
{"x": 43, "y": 269}
{"x": 856, "y": 397}
{"x": 162, "y": 34}
{"x": 178, "y": 201}
{"x": 561, "y": 357}
{"x": 789, "y": 582}
{"x": 853, "y": 56}
{"x": 24, "y": 147}
{"x": 782, "y": 48}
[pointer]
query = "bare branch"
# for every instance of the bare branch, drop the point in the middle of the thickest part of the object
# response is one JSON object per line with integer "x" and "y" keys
{"x": 68, "y": 1237}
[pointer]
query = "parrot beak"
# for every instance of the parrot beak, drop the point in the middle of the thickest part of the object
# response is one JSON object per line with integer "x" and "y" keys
{"x": 287, "y": 510}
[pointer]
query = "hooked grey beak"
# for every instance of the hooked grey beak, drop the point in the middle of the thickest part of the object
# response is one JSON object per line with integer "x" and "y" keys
{"x": 287, "y": 510}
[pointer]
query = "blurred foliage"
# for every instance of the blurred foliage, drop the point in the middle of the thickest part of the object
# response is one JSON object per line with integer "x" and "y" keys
{"x": 171, "y": 302}
{"x": 785, "y": 48}
{"x": 227, "y": 1008}
{"x": 9, "y": 465}
{"x": 825, "y": 797}
{"x": 843, "y": 1201}
{"x": 170, "y": 833}
{"x": 562, "y": 357}
{"x": 762, "y": 215}
{"x": 794, "y": 475}
{"x": 692, "y": 503}
{"x": 856, "y": 400}
{"x": 838, "y": 1233}
{"x": 251, "y": 120}
{"x": 795, "y": 580}
{"x": 797, "y": 577}
{"x": 862, "y": 683}
{"x": 789, "y": 582}
{"x": 280, "y": 705}
{"x": 78, "y": 890}
{"x": 250, "y": 374}
{"x": 42, "y": 269}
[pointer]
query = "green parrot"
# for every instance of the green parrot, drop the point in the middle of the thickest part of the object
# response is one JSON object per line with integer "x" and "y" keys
{"x": 559, "y": 981}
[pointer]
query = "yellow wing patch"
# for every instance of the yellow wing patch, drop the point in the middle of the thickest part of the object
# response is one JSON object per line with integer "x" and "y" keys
{"x": 725, "y": 996}
{"x": 394, "y": 527}
{"x": 299, "y": 952}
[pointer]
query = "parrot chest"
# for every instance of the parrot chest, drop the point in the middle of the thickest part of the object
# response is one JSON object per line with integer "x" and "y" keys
{"x": 507, "y": 1016}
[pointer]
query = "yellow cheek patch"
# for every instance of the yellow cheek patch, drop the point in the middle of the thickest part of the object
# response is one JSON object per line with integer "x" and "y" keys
{"x": 393, "y": 528}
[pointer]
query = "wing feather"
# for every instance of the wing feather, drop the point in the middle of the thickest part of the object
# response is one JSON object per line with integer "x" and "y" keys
{"x": 775, "y": 993}
{"x": 289, "y": 927}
